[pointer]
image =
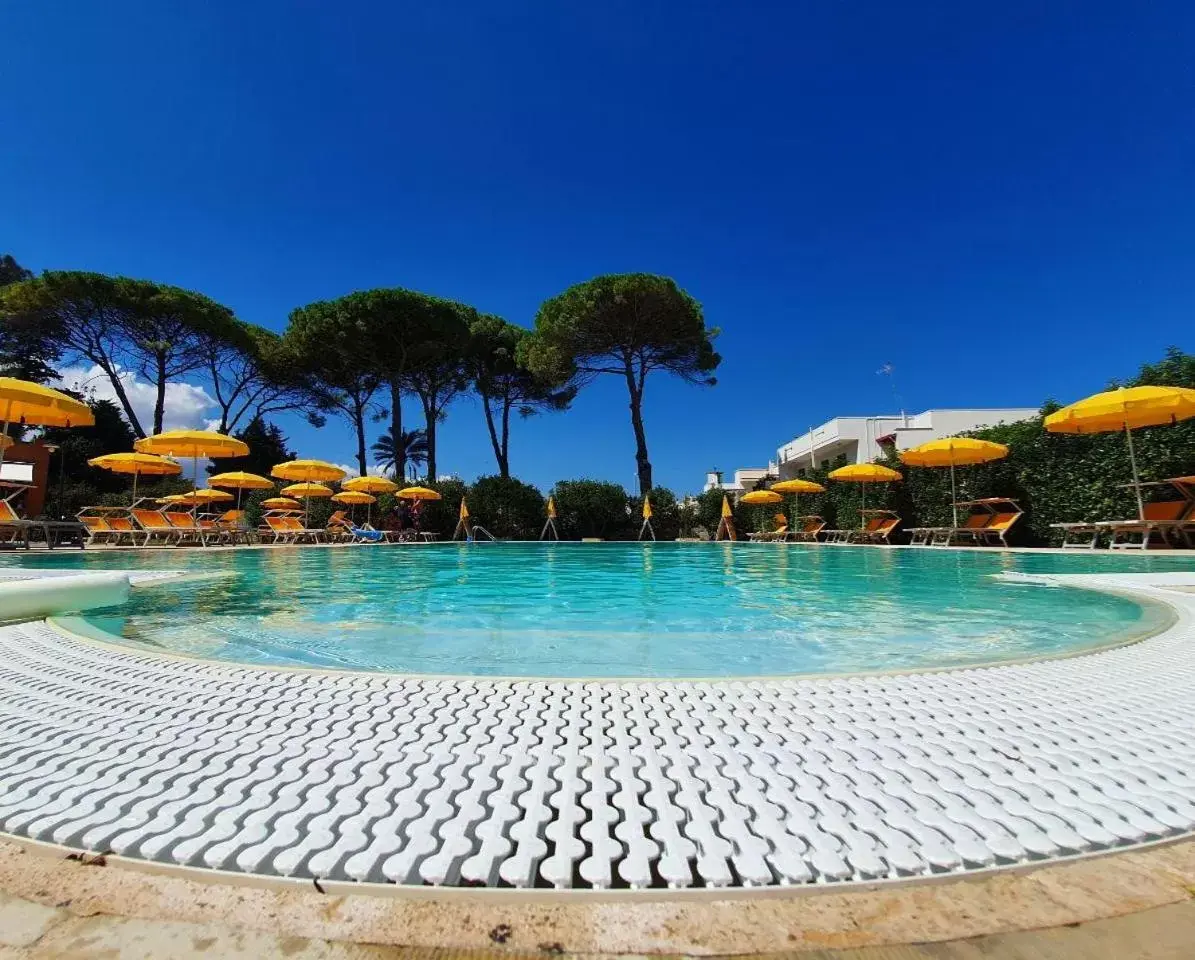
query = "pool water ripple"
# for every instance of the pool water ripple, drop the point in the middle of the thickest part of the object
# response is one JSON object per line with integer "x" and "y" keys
{"x": 622, "y": 610}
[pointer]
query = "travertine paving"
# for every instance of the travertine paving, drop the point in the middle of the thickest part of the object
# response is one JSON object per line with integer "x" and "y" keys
{"x": 397, "y": 780}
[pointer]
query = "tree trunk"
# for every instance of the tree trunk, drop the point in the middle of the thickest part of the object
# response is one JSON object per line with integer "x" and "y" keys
{"x": 359, "y": 424}
{"x": 429, "y": 418}
{"x": 400, "y": 448}
{"x": 160, "y": 400}
{"x": 118, "y": 389}
{"x": 642, "y": 464}
{"x": 504, "y": 460}
{"x": 494, "y": 441}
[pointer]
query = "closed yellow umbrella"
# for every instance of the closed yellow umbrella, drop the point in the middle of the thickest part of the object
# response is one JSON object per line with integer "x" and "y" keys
{"x": 417, "y": 493}
{"x": 757, "y": 497}
{"x": 1125, "y": 409}
{"x": 193, "y": 444}
{"x": 281, "y": 503}
{"x": 647, "y": 508}
{"x": 727, "y": 513}
{"x": 954, "y": 452}
{"x": 138, "y": 464}
{"x": 551, "y": 508}
{"x": 864, "y": 473}
{"x": 22, "y": 401}
{"x": 796, "y": 487}
{"x": 370, "y": 485}
{"x": 318, "y": 471}
{"x": 240, "y": 481}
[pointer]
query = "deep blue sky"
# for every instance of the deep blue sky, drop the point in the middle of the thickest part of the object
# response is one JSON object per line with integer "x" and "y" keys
{"x": 998, "y": 199}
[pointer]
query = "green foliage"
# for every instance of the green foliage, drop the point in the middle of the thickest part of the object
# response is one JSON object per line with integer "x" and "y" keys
{"x": 505, "y": 384}
{"x": 592, "y": 508}
{"x": 507, "y": 508}
{"x": 120, "y": 325}
{"x": 411, "y": 449}
{"x": 268, "y": 447}
{"x": 627, "y": 325}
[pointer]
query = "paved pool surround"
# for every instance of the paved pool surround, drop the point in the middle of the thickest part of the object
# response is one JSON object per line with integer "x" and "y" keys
{"x": 637, "y": 788}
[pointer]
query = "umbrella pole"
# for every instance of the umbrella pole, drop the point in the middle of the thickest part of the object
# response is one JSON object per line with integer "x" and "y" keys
{"x": 1136, "y": 480}
{"x": 863, "y": 511}
{"x": 135, "y": 475}
{"x": 953, "y": 494}
{"x": 3, "y": 444}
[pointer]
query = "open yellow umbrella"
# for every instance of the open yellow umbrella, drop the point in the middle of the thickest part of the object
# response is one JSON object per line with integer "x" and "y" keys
{"x": 370, "y": 485}
{"x": 864, "y": 473}
{"x": 241, "y": 481}
{"x": 281, "y": 503}
{"x": 1125, "y": 409}
{"x": 317, "y": 471}
{"x": 796, "y": 487}
{"x": 22, "y": 401}
{"x": 138, "y": 464}
{"x": 199, "y": 497}
{"x": 306, "y": 492}
{"x": 757, "y": 497}
{"x": 193, "y": 444}
{"x": 354, "y": 497}
{"x": 417, "y": 493}
{"x": 954, "y": 452}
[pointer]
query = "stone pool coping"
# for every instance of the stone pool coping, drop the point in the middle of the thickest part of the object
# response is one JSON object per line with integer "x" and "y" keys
{"x": 740, "y": 913}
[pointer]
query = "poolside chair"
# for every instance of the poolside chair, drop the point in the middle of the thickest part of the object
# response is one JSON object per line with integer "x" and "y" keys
{"x": 154, "y": 526}
{"x": 1078, "y": 536}
{"x": 779, "y": 532}
{"x": 188, "y": 527}
{"x": 98, "y": 528}
{"x": 809, "y": 529}
{"x": 366, "y": 535}
{"x": 339, "y": 527}
{"x": 275, "y": 529}
{"x": 879, "y": 527}
{"x": 300, "y": 532}
{"x": 1186, "y": 529}
{"x": 1160, "y": 526}
{"x": 992, "y": 526}
{"x": 14, "y": 527}
{"x": 233, "y": 526}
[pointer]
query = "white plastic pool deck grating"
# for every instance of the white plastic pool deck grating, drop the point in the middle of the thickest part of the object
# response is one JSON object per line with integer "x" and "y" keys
{"x": 571, "y": 784}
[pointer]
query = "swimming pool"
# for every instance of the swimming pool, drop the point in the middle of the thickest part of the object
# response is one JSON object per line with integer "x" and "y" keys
{"x": 618, "y": 610}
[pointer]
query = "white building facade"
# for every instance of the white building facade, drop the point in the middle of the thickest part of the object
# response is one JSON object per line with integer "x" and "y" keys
{"x": 863, "y": 439}
{"x": 745, "y": 479}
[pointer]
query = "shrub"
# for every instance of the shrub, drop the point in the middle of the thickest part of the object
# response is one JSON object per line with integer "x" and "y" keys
{"x": 592, "y": 508}
{"x": 440, "y": 516}
{"x": 507, "y": 508}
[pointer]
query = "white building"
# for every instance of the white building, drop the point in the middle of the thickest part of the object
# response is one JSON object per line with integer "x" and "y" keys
{"x": 863, "y": 439}
{"x": 745, "y": 479}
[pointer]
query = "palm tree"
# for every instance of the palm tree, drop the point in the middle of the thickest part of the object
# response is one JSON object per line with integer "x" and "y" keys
{"x": 414, "y": 442}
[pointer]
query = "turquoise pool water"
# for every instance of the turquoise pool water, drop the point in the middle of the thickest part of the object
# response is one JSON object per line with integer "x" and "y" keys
{"x": 617, "y": 610}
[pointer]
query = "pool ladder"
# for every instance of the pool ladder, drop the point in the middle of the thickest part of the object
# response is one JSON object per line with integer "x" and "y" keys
{"x": 480, "y": 533}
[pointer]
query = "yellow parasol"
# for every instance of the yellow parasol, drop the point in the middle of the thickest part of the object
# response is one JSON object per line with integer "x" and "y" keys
{"x": 318, "y": 471}
{"x": 240, "y": 481}
{"x": 138, "y": 464}
{"x": 757, "y": 497}
{"x": 864, "y": 473}
{"x": 646, "y": 508}
{"x": 305, "y": 491}
{"x": 199, "y": 497}
{"x": 551, "y": 508}
{"x": 464, "y": 513}
{"x": 34, "y": 405}
{"x": 796, "y": 487}
{"x": 354, "y": 497}
{"x": 281, "y": 503}
{"x": 727, "y": 513}
{"x": 726, "y": 524}
{"x": 310, "y": 473}
{"x": 954, "y": 452}
{"x": 370, "y": 485}
{"x": 192, "y": 444}
{"x": 417, "y": 493}
{"x": 1125, "y": 409}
